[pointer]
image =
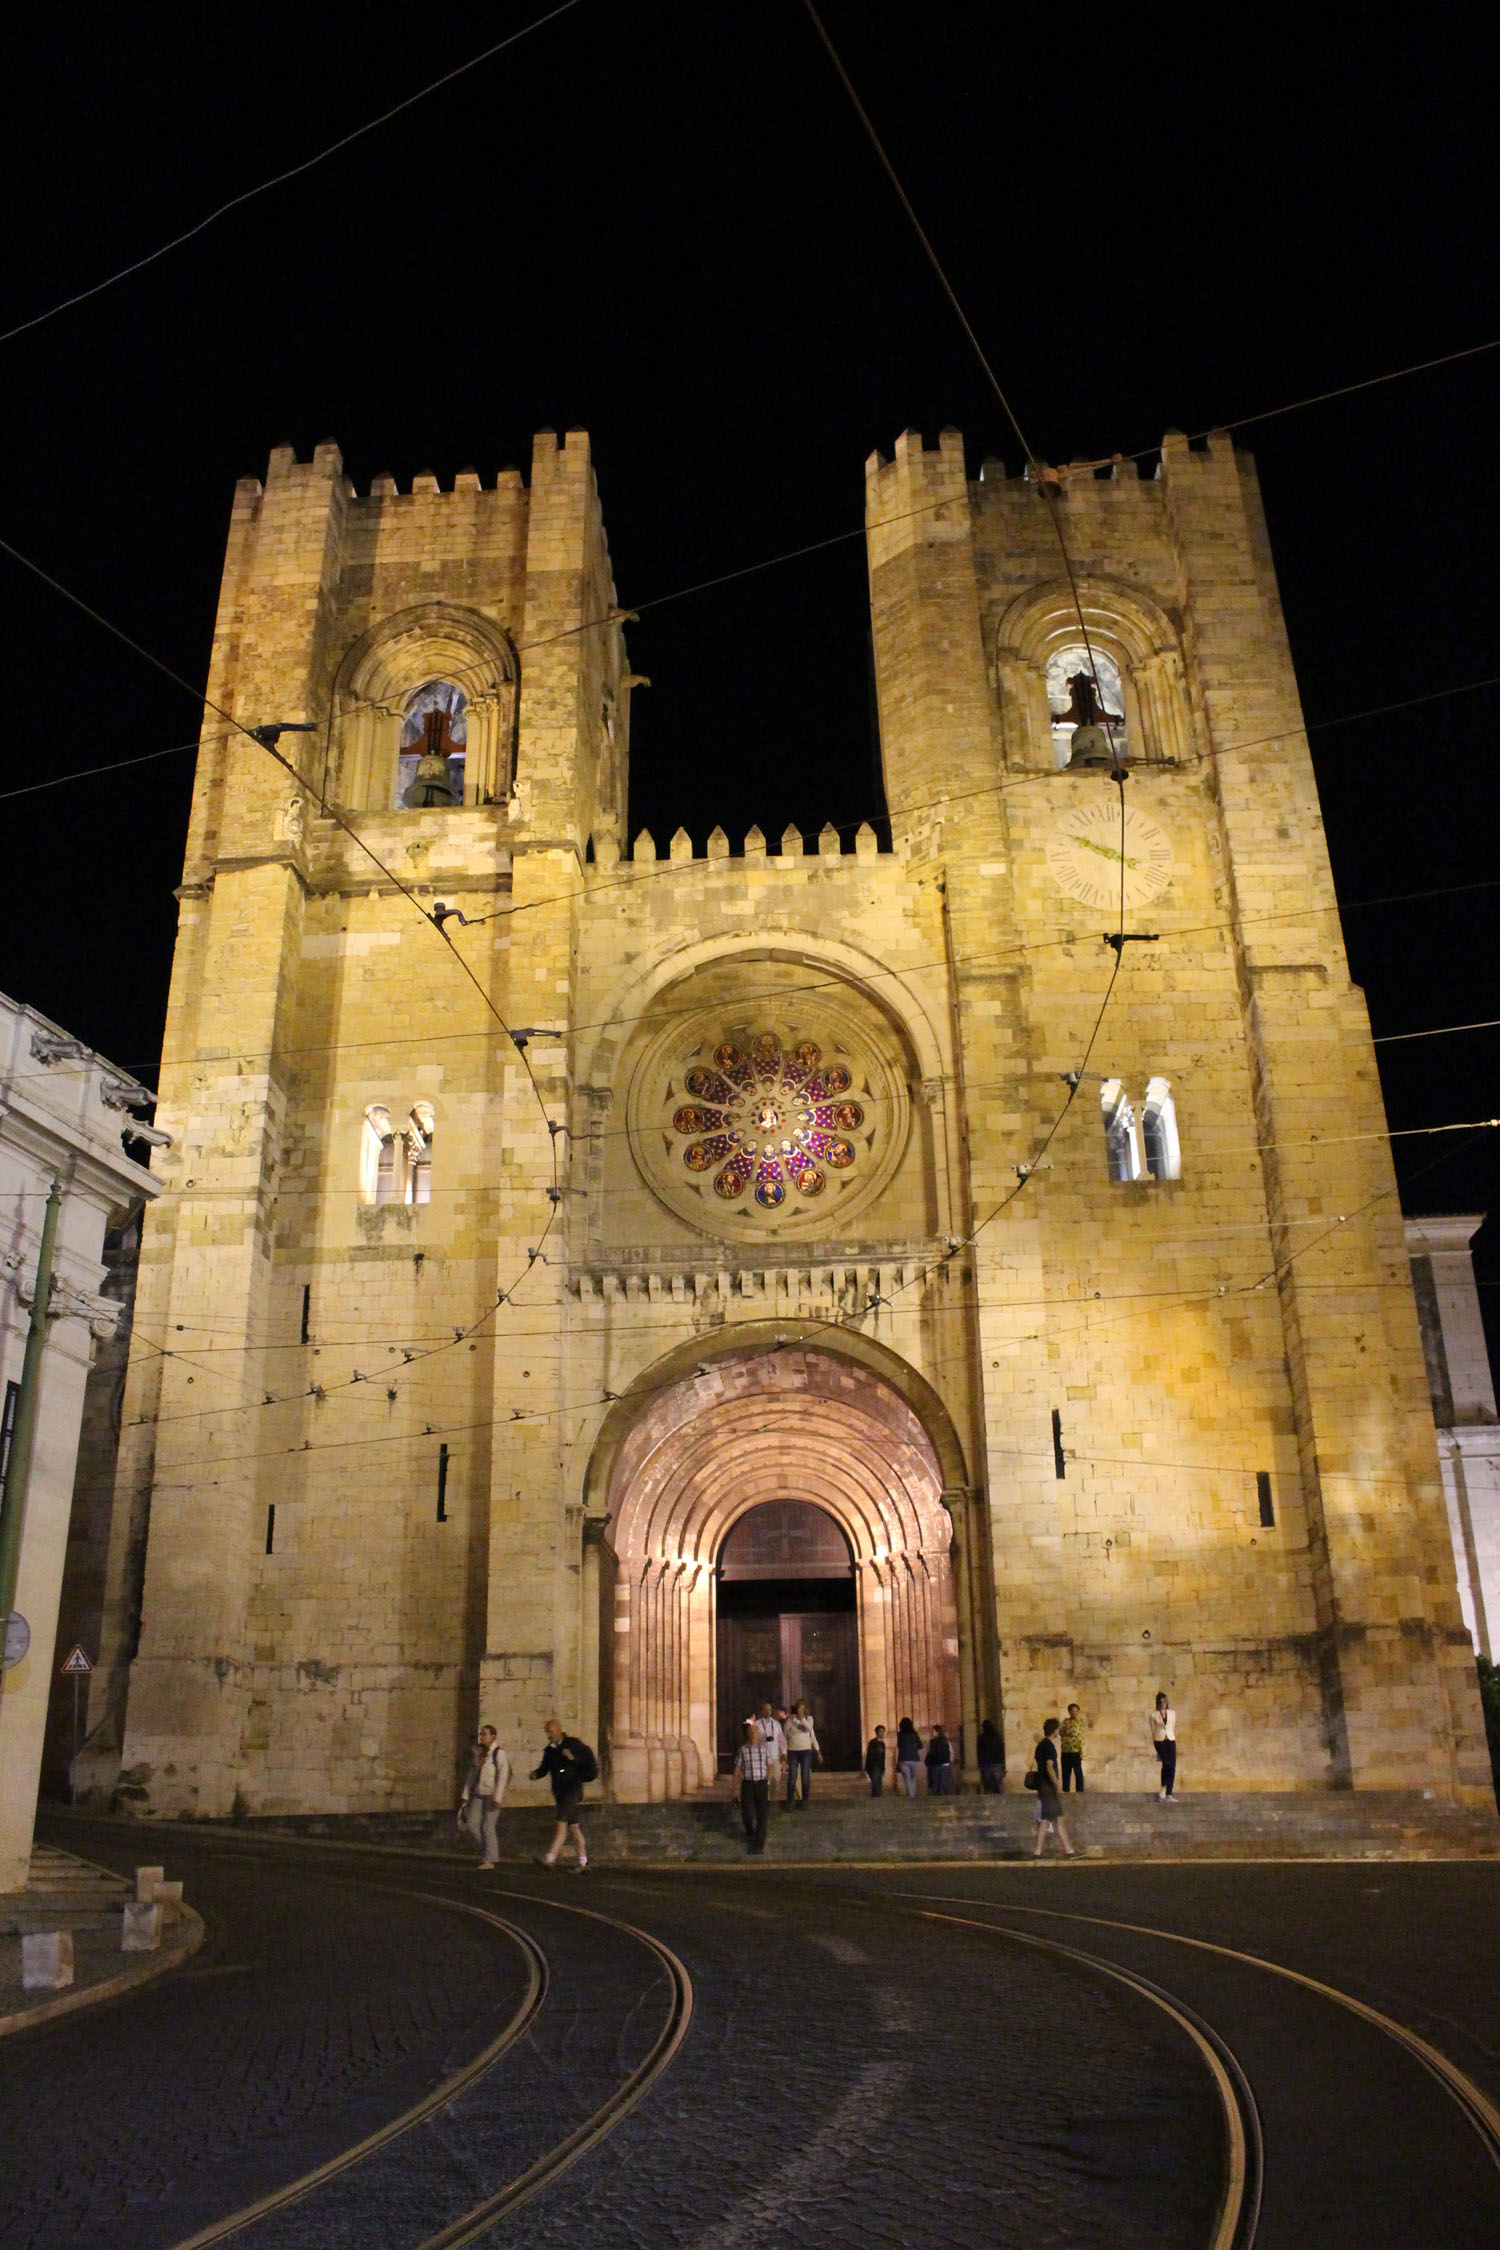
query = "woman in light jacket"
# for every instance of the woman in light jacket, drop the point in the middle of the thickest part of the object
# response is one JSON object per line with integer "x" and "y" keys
{"x": 484, "y": 1793}
{"x": 801, "y": 1749}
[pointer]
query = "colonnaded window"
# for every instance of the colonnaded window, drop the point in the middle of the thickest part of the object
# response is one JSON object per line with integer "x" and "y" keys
{"x": 1084, "y": 689}
{"x": 1146, "y": 1146}
{"x": 1159, "y": 1132}
{"x": 1122, "y": 1148}
{"x": 419, "y": 1134}
{"x": 434, "y": 739}
{"x": 395, "y": 1164}
{"x": 764, "y": 1117}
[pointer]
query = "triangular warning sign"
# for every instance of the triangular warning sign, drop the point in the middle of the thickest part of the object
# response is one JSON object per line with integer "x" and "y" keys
{"x": 77, "y": 1662}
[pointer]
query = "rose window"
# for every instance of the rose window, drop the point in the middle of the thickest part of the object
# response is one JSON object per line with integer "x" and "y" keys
{"x": 766, "y": 1117}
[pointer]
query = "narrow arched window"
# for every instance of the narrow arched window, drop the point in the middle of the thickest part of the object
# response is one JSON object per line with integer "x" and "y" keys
{"x": 434, "y": 741}
{"x": 1084, "y": 688}
{"x": 380, "y": 1167}
{"x": 1159, "y": 1132}
{"x": 419, "y": 1134}
{"x": 1122, "y": 1147}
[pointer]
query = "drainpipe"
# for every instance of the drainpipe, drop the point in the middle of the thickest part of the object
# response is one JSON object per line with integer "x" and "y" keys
{"x": 18, "y": 1462}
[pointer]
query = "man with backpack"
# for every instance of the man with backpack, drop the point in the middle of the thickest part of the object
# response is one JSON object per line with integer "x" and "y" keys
{"x": 569, "y": 1764}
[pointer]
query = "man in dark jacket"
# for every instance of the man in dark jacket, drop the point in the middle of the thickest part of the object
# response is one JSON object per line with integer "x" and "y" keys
{"x": 568, "y": 1763}
{"x": 875, "y": 1761}
{"x": 939, "y": 1765}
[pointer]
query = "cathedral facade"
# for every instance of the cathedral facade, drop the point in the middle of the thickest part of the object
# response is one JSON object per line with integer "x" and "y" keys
{"x": 946, "y": 1280}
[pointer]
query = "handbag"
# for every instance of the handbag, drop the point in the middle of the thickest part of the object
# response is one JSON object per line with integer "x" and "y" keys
{"x": 1030, "y": 1780}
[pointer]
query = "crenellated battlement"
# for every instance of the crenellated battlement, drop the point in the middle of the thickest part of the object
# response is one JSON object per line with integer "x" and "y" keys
{"x": 792, "y": 852}
{"x": 566, "y": 454}
{"x": 920, "y": 481}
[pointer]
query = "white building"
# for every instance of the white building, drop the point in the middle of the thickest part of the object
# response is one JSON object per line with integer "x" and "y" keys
{"x": 1463, "y": 1407}
{"x": 64, "y": 1114}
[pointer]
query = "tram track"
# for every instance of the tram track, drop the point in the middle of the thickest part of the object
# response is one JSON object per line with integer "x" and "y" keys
{"x": 448, "y": 2090}
{"x": 1470, "y": 2100}
{"x": 248, "y": 2224}
{"x": 1238, "y": 2214}
{"x": 605, "y": 2004}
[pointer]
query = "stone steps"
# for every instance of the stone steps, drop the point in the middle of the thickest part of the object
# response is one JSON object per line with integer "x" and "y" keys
{"x": 1344, "y": 1824}
{"x": 64, "y": 1893}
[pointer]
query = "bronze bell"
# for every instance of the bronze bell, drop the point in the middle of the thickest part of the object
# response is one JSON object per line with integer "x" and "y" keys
{"x": 1091, "y": 747}
{"x": 431, "y": 784}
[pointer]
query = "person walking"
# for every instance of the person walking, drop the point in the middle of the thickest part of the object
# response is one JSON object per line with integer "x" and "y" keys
{"x": 1164, "y": 1741}
{"x": 773, "y": 1736}
{"x": 1049, "y": 1812}
{"x": 484, "y": 1792}
{"x": 990, "y": 1753}
{"x": 568, "y": 1764}
{"x": 908, "y": 1755}
{"x": 939, "y": 1764}
{"x": 801, "y": 1749}
{"x": 1070, "y": 1742}
{"x": 751, "y": 1764}
{"x": 875, "y": 1761}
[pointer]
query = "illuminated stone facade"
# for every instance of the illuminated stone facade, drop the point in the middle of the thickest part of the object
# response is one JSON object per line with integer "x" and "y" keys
{"x": 475, "y": 1351}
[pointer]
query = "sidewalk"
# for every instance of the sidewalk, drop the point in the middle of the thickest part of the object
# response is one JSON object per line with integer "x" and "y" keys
{"x": 67, "y": 1893}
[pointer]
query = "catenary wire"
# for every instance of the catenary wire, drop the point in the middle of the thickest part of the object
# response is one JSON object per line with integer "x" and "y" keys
{"x": 1016, "y": 948}
{"x": 842, "y": 1322}
{"x": 554, "y": 1192}
{"x": 292, "y": 172}
{"x": 1024, "y": 1172}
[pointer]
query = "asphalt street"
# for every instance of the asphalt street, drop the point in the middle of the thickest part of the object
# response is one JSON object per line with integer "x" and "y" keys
{"x": 865, "y": 2057}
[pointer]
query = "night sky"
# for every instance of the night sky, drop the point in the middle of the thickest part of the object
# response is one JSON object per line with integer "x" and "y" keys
{"x": 661, "y": 221}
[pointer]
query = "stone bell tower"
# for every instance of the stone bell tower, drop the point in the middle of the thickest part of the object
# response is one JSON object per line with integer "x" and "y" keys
{"x": 1206, "y": 1291}
{"x": 362, "y": 1157}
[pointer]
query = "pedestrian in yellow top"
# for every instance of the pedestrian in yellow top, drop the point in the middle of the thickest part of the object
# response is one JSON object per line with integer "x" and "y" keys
{"x": 1071, "y": 1741}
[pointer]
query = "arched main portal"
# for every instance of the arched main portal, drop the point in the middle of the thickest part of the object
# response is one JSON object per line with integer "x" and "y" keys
{"x": 742, "y": 1432}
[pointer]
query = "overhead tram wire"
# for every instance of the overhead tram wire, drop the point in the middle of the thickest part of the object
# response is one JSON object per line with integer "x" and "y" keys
{"x": 1117, "y": 772}
{"x": 1014, "y": 950}
{"x": 1026, "y": 1171}
{"x": 809, "y": 1331}
{"x": 199, "y": 696}
{"x": 1221, "y": 1291}
{"x": 1292, "y": 406}
{"x": 980, "y": 354}
{"x": 292, "y": 172}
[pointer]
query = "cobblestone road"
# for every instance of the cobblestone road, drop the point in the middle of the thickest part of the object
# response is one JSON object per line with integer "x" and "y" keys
{"x": 855, "y": 2073}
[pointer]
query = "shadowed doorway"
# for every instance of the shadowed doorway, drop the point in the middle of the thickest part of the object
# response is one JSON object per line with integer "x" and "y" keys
{"x": 787, "y": 1626}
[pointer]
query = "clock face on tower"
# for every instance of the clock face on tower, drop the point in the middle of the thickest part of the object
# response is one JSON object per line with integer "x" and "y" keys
{"x": 1085, "y": 851}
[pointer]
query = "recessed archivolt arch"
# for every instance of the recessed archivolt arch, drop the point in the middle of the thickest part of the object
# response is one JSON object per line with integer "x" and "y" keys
{"x": 755, "y": 1339}
{"x": 1129, "y": 627}
{"x": 698, "y": 1453}
{"x": 387, "y": 665}
{"x": 647, "y": 999}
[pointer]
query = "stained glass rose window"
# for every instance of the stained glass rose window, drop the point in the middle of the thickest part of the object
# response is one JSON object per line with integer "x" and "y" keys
{"x": 765, "y": 1118}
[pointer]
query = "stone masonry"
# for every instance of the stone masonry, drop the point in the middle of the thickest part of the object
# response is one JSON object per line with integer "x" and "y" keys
{"x": 457, "y": 1353}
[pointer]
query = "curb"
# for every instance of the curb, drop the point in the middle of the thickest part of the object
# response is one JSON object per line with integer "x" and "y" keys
{"x": 110, "y": 1988}
{"x": 1096, "y": 1855}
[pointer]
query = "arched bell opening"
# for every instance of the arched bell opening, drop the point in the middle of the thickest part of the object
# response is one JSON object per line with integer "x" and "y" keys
{"x": 769, "y": 1428}
{"x": 788, "y": 1626}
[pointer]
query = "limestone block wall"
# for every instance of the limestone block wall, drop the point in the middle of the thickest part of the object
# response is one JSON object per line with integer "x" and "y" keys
{"x": 1253, "y": 1315}
{"x": 1175, "y": 1426}
{"x": 311, "y": 1630}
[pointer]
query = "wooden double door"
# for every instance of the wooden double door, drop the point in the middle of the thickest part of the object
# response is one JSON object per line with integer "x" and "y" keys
{"x": 787, "y": 1656}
